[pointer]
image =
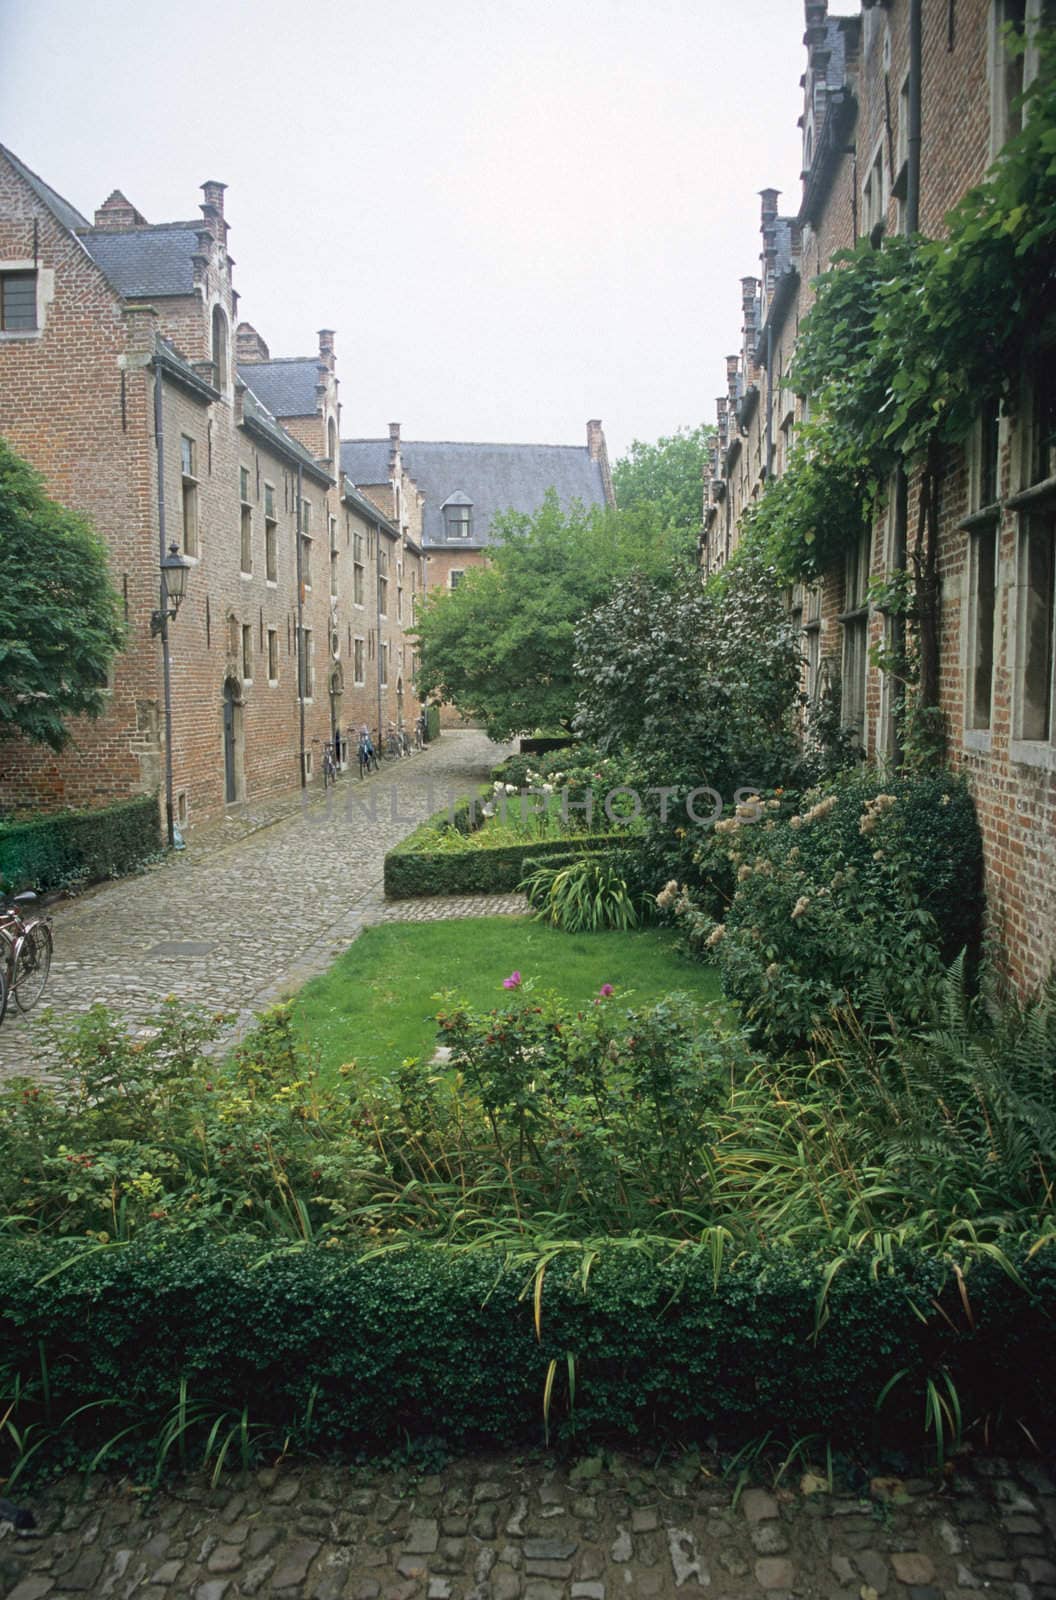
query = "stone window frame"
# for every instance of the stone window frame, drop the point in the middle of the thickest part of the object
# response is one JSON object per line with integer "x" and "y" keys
{"x": 190, "y": 510}
{"x": 245, "y": 555}
{"x": 273, "y": 656}
{"x": 383, "y": 663}
{"x": 271, "y": 537}
{"x": 383, "y": 596}
{"x": 359, "y": 660}
{"x": 13, "y": 271}
{"x": 983, "y": 594}
{"x": 305, "y": 665}
{"x": 359, "y": 584}
{"x": 1034, "y": 637}
{"x": 854, "y": 622}
{"x": 247, "y": 652}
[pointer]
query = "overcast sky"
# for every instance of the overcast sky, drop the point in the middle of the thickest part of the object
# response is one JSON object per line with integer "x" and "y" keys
{"x": 516, "y": 215}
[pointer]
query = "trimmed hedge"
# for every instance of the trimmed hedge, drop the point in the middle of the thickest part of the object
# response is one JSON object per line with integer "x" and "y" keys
{"x": 432, "y": 723}
{"x": 411, "y": 871}
{"x": 540, "y": 745}
{"x": 51, "y": 852}
{"x": 335, "y": 1351}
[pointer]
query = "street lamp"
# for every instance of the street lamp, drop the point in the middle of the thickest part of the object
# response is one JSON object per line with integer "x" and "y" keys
{"x": 174, "y": 570}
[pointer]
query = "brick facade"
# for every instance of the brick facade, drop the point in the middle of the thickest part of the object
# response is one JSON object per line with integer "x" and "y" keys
{"x": 77, "y": 399}
{"x": 854, "y": 172}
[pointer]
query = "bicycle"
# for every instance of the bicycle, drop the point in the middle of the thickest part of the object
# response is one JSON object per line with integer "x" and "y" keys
{"x": 25, "y": 954}
{"x": 329, "y": 765}
{"x": 366, "y": 755}
{"x": 419, "y": 732}
{"x": 393, "y": 743}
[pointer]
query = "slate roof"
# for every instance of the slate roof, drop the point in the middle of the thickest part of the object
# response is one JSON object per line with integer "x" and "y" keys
{"x": 493, "y": 477}
{"x": 145, "y": 261}
{"x": 258, "y": 418}
{"x": 68, "y": 215}
{"x": 286, "y": 386}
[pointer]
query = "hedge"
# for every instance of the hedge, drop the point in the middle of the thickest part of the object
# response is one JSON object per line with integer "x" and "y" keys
{"x": 51, "y": 852}
{"x": 542, "y": 744}
{"x": 432, "y": 723}
{"x": 332, "y": 1350}
{"x": 412, "y": 870}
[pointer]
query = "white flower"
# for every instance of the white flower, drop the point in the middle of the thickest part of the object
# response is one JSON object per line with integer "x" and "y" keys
{"x": 716, "y": 936}
{"x": 800, "y": 906}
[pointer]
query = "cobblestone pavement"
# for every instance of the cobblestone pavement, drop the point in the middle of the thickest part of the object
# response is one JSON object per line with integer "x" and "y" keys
{"x": 256, "y": 904}
{"x": 531, "y": 1528}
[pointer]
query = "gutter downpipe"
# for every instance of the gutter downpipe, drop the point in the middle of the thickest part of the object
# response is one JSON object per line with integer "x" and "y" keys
{"x": 166, "y": 657}
{"x": 912, "y": 226}
{"x": 913, "y": 142}
{"x": 302, "y": 654}
{"x": 769, "y": 400}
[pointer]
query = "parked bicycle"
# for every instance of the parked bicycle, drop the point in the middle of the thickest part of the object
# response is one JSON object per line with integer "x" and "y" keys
{"x": 394, "y": 743}
{"x": 366, "y": 754}
{"x": 329, "y": 765}
{"x": 420, "y": 726}
{"x": 25, "y": 952}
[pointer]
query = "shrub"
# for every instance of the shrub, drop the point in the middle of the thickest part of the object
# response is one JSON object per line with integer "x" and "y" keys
{"x": 583, "y": 895}
{"x": 74, "y": 847}
{"x": 425, "y": 863}
{"x": 855, "y": 900}
{"x": 324, "y": 1351}
{"x": 432, "y": 722}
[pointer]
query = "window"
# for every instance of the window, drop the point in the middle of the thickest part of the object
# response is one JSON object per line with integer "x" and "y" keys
{"x": 220, "y": 347}
{"x": 982, "y": 591}
{"x": 333, "y": 573}
{"x": 189, "y": 494}
{"x": 458, "y": 521}
{"x": 455, "y": 577}
{"x": 246, "y": 557}
{"x": 1008, "y": 24}
{"x": 271, "y": 535}
{"x": 383, "y": 596}
{"x": 874, "y": 197}
{"x": 357, "y": 584}
{"x": 812, "y": 630}
{"x": 247, "y": 652}
{"x": 273, "y": 655}
{"x": 399, "y": 603}
{"x": 985, "y": 476}
{"x": 357, "y": 547}
{"x": 358, "y": 665}
{"x": 1037, "y": 618}
{"x": 18, "y": 302}
{"x": 306, "y": 516}
{"x": 1042, "y": 463}
{"x": 305, "y": 664}
{"x": 384, "y": 659}
{"x": 855, "y": 620}
{"x": 306, "y": 561}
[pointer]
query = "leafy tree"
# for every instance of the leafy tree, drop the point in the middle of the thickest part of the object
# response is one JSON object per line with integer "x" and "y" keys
{"x": 500, "y": 646}
{"x": 695, "y": 687}
{"x": 668, "y": 475}
{"x": 60, "y": 616}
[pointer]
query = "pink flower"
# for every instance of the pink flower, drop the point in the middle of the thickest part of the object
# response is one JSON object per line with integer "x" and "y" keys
{"x": 606, "y": 989}
{"x": 512, "y": 982}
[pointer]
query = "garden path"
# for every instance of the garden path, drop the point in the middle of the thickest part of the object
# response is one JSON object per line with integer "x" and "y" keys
{"x": 532, "y": 1527}
{"x": 256, "y": 904}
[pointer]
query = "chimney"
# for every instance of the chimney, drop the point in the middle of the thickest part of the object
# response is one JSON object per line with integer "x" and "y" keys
{"x": 326, "y": 347}
{"x": 769, "y": 206}
{"x": 394, "y": 433}
{"x": 214, "y": 197}
{"x": 249, "y": 346}
{"x": 732, "y": 376}
{"x": 117, "y": 212}
{"x": 598, "y": 451}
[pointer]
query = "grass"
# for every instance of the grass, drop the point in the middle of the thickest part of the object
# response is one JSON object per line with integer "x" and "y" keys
{"x": 376, "y": 1004}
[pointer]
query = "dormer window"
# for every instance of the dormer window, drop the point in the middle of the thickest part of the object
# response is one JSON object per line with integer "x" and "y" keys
{"x": 458, "y": 517}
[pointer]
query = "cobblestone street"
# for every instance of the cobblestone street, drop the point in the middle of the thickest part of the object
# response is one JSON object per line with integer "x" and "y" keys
{"x": 516, "y": 1528}
{"x": 256, "y": 904}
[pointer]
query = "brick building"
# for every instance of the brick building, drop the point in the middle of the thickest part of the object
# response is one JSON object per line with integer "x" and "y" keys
{"x": 998, "y": 496}
{"x": 127, "y": 379}
{"x": 448, "y": 495}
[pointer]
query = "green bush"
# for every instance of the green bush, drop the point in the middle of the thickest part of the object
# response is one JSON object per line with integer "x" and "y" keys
{"x": 72, "y": 847}
{"x": 429, "y": 860}
{"x": 584, "y": 894}
{"x": 325, "y": 1351}
{"x": 855, "y": 899}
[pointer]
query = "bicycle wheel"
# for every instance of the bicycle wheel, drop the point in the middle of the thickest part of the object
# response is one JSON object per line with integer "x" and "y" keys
{"x": 32, "y": 965}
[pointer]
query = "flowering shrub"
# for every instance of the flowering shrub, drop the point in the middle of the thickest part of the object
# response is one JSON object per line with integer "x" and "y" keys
{"x": 837, "y": 904}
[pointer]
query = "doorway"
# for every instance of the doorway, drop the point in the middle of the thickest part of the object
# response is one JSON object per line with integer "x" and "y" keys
{"x": 234, "y": 754}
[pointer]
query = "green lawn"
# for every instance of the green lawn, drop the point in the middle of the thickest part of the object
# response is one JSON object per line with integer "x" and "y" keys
{"x": 376, "y": 1004}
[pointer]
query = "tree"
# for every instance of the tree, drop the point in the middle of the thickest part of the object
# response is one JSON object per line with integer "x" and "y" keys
{"x": 500, "y": 646}
{"x": 60, "y": 616}
{"x": 669, "y": 476}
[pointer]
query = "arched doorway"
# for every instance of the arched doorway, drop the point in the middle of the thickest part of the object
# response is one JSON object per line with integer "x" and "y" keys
{"x": 234, "y": 744}
{"x": 337, "y": 687}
